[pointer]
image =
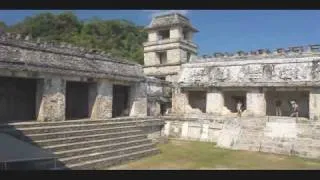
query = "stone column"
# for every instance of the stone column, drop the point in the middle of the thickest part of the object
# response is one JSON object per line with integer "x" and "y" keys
{"x": 256, "y": 102}
{"x": 52, "y": 106}
{"x": 102, "y": 108}
{"x": 138, "y": 99}
{"x": 179, "y": 101}
{"x": 314, "y": 104}
{"x": 215, "y": 101}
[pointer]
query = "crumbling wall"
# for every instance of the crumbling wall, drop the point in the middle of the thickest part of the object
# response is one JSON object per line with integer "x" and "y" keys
{"x": 197, "y": 100}
{"x": 159, "y": 93}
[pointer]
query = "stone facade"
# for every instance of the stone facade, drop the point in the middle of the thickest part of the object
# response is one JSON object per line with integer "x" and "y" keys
{"x": 177, "y": 46}
{"x": 159, "y": 94}
{"x": 196, "y": 96}
{"x": 56, "y": 67}
{"x": 205, "y": 91}
{"x": 256, "y": 77}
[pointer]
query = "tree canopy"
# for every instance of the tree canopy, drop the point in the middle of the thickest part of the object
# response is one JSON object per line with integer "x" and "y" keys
{"x": 121, "y": 38}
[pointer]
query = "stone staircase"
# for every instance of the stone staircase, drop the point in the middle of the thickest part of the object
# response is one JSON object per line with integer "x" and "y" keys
{"x": 303, "y": 142}
{"x": 90, "y": 144}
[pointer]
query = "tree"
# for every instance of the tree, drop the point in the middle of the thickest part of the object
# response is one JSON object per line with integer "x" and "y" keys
{"x": 119, "y": 37}
{"x": 3, "y": 25}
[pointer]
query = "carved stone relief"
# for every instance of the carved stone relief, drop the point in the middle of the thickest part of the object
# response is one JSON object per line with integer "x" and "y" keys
{"x": 315, "y": 70}
{"x": 254, "y": 72}
{"x": 268, "y": 71}
{"x": 288, "y": 73}
{"x": 220, "y": 73}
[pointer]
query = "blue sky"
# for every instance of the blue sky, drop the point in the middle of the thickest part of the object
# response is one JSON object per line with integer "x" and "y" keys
{"x": 221, "y": 30}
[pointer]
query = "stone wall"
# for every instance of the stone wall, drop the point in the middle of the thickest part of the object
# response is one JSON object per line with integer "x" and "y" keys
{"x": 281, "y": 71}
{"x": 162, "y": 70}
{"x": 198, "y": 129}
{"x": 52, "y": 64}
{"x": 18, "y": 54}
{"x": 278, "y": 135}
{"x": 158, "y": 92}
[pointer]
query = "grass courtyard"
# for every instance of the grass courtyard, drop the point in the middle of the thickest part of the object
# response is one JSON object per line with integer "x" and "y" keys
{"x": 205, "y": 156}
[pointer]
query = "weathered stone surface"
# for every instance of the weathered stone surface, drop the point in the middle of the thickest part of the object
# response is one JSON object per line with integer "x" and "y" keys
{"x": 28, "y": 55}
{"x": 256, "y": 102}
{"x": 294, "y": 71}
{"x": 138, "y": 99}
{"x": 314, "y": 104}
{"x": 102, "y": 108}
{"x": 52, "y": 107}
{"x": 215, "y": 102}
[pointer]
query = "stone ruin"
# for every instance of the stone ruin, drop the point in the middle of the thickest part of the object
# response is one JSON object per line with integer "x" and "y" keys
{"x": 195, "y": 96}
{"x": 206, "y": 90}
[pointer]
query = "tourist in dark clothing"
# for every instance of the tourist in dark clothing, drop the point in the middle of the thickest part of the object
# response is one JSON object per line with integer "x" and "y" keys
{"x": 278, "y": 108}
{"x": 295, "y": 109}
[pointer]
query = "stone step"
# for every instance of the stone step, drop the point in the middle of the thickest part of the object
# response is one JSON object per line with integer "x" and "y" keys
{"x": 306, "y": 153}
{"x": 73, "y": 122}
{"x": 103, "y": 163}
{"x": 247, "y": 147}
{"x": 100, "y": 148}
{"x": 276, "y": 150}
{"x": 105, "y": 154}
{"x": 77, "y": 145}
{"x": 311, "y": 136}
{"x": 41, "y": 136}
{"x": 251, "y": 134}
{"x": 93, "y": 136}
{"x": 65, "y": 128}
{"x": 248, "y": 141}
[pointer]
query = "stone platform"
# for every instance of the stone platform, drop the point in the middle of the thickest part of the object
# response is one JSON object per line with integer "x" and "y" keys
{"x": 91, "y": 144}
{"x": 280, "y": 135}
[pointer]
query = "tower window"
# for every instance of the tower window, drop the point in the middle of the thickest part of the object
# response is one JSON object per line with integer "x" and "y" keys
{"x": 188, "y": 56}
{"x": 162, "y": 57}
{"x": 186, "y": 35}
{"x": 164, "y": 34}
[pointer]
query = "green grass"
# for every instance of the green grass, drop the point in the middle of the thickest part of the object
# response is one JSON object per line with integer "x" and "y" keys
{"x": 202, "y": 155}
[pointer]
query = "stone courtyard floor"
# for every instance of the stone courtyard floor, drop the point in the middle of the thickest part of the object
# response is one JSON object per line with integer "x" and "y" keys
{"x": 205, "y": 156}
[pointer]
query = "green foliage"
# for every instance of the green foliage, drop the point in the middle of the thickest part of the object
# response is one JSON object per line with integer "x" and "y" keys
{"x": 121, "y": 38}
{"x": 3, "y": 25}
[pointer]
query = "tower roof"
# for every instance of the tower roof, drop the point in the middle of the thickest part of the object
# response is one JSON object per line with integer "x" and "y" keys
{"x": 169, "y": 20}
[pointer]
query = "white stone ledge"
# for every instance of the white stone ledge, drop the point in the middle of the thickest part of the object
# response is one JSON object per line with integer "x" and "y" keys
{"x": 241, "y": 62}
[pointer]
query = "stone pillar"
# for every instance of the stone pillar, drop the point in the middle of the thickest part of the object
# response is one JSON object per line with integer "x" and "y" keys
{"x": 215, "y": 101}
{"x": 52, "y": 106}
{"x": 157, "y": 108}
{"x": 179, "y": 101}
{"x": 102, "y": 108}
{"x": 256, "y": 102}
{"x": 138, "y": 99}
{"x": 314, "y": 104}
{"x": 92, "y": 96}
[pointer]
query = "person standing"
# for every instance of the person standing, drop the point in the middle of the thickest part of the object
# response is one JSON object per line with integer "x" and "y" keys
{"x": 239, "y": 108}
{"x": 278, "y": 108}
{"x": 295, "y": 109}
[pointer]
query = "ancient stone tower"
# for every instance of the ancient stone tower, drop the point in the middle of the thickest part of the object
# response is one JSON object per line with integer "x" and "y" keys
{"x": 169, "y": 45}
